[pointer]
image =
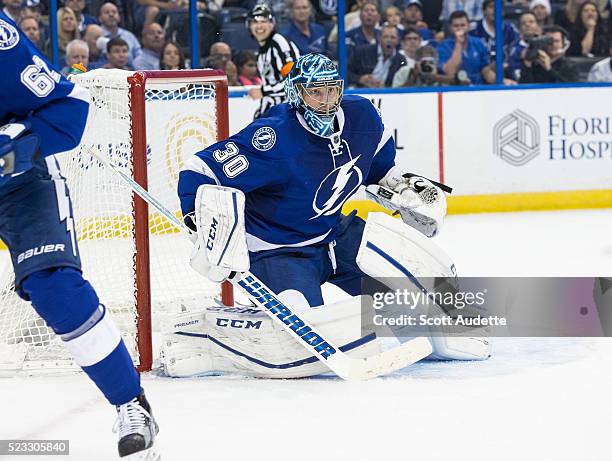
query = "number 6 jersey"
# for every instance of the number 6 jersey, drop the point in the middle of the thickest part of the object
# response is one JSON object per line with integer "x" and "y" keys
{"x": 32, "y": 91}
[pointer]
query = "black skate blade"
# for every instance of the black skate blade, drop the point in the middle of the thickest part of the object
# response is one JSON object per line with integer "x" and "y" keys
{"x": 134, "y": 444}
{"x": 150, "y": 454}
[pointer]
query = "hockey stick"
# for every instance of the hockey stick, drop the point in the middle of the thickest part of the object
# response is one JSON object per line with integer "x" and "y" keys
{"x": 326, "y": 351}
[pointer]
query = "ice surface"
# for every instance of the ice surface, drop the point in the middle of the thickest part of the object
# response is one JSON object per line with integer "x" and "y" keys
{"x": 536, "y": 399}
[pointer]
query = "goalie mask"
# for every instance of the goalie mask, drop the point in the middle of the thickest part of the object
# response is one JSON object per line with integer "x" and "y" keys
{"x": 314, "y": 88}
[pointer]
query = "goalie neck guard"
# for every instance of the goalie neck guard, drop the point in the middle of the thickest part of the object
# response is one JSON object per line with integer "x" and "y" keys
{"x": 314, "y": 88}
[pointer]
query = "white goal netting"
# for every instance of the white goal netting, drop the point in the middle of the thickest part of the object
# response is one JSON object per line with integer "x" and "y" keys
{"x": 181, "y": 118}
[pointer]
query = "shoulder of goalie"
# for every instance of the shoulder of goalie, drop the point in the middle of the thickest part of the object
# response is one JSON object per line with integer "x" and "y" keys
{"x": 243, "y": 340}
{"x": 402, "y": 258}
{"x": 220, "y": 240}
{"x": 421, "y": 204}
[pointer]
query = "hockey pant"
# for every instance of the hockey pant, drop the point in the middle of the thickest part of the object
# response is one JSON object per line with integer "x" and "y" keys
{"x": 297, "y": 273}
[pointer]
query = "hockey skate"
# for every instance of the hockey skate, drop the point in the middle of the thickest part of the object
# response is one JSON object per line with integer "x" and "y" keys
{"x": 137, "y": 430}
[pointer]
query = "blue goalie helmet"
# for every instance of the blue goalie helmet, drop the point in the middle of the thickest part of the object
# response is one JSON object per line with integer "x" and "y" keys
{"x": 314, "y": 88}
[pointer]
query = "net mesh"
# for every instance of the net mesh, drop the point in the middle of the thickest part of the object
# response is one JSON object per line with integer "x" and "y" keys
{"x": 181, "y": 119}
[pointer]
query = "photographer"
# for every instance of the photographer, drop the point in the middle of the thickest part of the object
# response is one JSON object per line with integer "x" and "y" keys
{"x": 424, "y": 72}
{"x": 544, "y": 60}
{"x": 529, "y": 29}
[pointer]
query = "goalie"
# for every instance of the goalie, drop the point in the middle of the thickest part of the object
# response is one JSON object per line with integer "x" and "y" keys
{"x": 269, "y": 198}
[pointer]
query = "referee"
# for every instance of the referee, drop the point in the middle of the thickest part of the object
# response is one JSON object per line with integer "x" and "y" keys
{"x": 275, "y": 54}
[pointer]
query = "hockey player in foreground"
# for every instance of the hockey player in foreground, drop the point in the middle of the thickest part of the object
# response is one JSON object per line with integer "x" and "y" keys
{"x": 43, "y": 114}
{"x": 296, "y": 167}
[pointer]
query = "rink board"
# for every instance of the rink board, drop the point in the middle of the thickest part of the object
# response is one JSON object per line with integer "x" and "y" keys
{"x": 503, "y": 150}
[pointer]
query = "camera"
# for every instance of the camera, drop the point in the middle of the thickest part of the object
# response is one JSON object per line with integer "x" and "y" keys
{"x": 535, "y": 45}
{"x": 462, "y": 78}
{"x": 427, "y": 65}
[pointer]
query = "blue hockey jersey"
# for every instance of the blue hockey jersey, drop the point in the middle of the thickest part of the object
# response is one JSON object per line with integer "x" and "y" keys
{"x": 295, "y": 181}
{"x": 32, "y": 91}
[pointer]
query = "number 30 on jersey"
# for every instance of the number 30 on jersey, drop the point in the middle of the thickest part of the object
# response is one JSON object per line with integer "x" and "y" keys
{"x": 233, "y": 164}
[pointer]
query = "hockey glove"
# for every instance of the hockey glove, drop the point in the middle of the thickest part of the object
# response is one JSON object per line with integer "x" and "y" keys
{"x": 421, "y": 204}
{"x": 18, "y": 149}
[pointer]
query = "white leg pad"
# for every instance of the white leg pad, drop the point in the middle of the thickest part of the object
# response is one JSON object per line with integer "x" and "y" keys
{"x": 395, "y": 254}
{"x": 294, "y": 298}
{"x": 390, "y": 249}
{"x": 245, "y": 341}
{"x": 457, "y": 348}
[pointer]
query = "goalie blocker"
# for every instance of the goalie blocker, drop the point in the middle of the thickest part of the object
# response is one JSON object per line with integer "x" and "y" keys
{"x": 245, "y": 341}
{"x": 220, "y": 246}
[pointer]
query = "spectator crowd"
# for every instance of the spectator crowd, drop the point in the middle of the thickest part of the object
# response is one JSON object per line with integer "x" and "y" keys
{"x": 389, "y": 43}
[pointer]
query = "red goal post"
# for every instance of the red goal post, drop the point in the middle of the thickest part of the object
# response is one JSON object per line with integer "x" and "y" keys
{"x": 138, "y": 83}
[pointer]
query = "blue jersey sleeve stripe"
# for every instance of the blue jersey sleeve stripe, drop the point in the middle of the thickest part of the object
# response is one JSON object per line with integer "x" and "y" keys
{"x": 80, "y": 93}
{"x": 382, "y": 163}
{"x": 387, "y": 134}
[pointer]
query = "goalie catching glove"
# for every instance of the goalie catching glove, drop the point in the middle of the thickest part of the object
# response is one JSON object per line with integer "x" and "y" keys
{"x": 220, "y": 244}
{"x": 421, "y": 204}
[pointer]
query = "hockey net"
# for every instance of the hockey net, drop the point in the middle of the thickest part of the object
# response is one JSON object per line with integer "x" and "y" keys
{"x": 147, "y": 123}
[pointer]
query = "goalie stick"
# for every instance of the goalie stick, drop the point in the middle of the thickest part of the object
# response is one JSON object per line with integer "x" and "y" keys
{"x": 348, "y": 368}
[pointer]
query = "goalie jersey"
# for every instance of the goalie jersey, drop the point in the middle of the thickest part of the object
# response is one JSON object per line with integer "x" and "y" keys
{"x": 295, "y": 181}
{"x": 33, "y": 92}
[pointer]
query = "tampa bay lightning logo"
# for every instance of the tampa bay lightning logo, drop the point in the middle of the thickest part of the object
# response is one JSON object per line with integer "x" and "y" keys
{"x": 338, "y": 185}
{"x": 329, "y": 7}
{"x": 264, "y": 138}
{"x": 9, "y": 37}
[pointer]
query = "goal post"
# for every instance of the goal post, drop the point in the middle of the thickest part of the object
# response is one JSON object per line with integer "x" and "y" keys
{"x": 138, "y": 82}
{"x": 147, "y": 123}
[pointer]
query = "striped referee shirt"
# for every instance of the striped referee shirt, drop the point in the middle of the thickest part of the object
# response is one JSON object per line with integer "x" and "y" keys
{"x": 273, "y": 55}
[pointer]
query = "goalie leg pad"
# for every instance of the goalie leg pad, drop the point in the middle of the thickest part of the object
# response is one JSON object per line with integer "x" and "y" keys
{"x": 394, "y": 253}
{"x": 391, "y": 250}
{"x": 185, "y": 349}
{"x": 452, "y": 348}
{"x": 245, "y": 341}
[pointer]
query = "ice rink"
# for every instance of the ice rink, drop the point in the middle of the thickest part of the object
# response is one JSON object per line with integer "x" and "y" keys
{"x": 536, "y": 399}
